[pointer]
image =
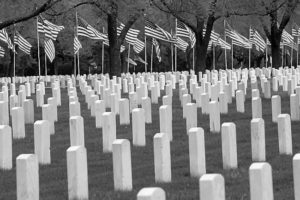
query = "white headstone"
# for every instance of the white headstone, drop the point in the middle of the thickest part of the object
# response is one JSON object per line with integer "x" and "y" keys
{"x": 197, "y": 152}
{"x": 214, "y": 117}
{"x": 229, "y": 147}
{"x": 109, "y": 130}
{"x": 77, "y": 173}
{"x": 76, "y": 131}
{"x": 5, "y": 147}
{"x": 18, "y": 122}
{"x": 261, "y": 182}
{"x": 276, "y": 107}
{"x": 138, "y": 127}
{"x": 296, "y": 175}
{"x": 162, "y": 158}
{"x": 165, "y": 121}
{"x": 285, "y": 134}
{"x": 153, "y": 193}
{"x": 258, "y": 145}
{"x": 42, "y": 141}
{"x": 122, "y": 165}
{"x": 27, "y": 177}
{"x": 212, "y": 187}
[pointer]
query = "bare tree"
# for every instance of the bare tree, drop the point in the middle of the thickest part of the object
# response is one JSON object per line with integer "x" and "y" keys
{"x": 35, "y": 11}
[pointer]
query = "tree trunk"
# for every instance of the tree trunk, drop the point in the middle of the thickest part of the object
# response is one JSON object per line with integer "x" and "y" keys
{"x": 275, "y": 48}
{"x": 114, "y": 46}
{"x": 200, "y": 57}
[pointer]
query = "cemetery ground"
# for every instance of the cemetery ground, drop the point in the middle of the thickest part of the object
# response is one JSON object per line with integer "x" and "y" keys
{"x": 53, "y": 177}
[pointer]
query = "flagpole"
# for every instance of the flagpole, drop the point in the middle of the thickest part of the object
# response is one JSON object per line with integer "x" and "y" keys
{"x": 75, "y": 54}
{"x": 194, "y": 58}
{"x": 297, "y": 50}
{"x": 128, "y": 57}
{"x": 250, "y": 48}
{"x": 46, "y": 65}
{"x": 231, "y": 55}
{"x": 292, "y": 51}
{"x": 214, "y": 57}
{"x": 145, "y": 41}
{"x": 225, "y": 53}
{"x": 172, "y": 57}
{"x": 151, "y": 57}
{"x": 78, "y": 51}
{"x": 175, "y": 50}
{"x": 103, "y": 54}
{"x": 266, "y": 53}
{"x": 38, "y": 43}
{"x": 14, "y": 51}
{"x": 282, "y": 55}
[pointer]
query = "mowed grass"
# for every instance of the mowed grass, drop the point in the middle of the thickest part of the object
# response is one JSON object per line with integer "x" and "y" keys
{"x": 53, "y": 178}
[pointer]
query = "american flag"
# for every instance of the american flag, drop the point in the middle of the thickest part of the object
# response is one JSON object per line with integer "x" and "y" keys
{"x": 286, "y": 37}
{"x": 50, "y": 30}
{"x": 157, "y": 49}
{"x": 257, "y": 40}
{"x": 106, "y": 42}
{"x": 138, "y": 46}
{"x": 153, "y": 30}
{"x": 237, "y": 39}
{"x": 50, "y": 49}
{"x": 23, "y": 44}
{"x": 5, "y": 38}
{"x": 184, "y": 31}
{"x": 86, "y": 30}
{"x": 2, "y": 52}
{"x": 295, "y": 30}
{"x": 181, "y": 44}
{"x": 131, "y": 35}
{"x": 77, "y": 45}
{"x": 223, "y": 44}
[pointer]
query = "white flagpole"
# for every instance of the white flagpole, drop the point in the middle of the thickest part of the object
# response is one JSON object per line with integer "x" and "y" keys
{"x": 292, "y": 51}
{"x": 74, "y": 54}
{"x": 250, "y": 48}
{"x": 78, "y": 64}
{"x": 175, "y": 46}
{"x": 151, "y": 57}
{"x": 231, "y": 55}
{"x": 38, "y": 43}
{"x": 128, "y": 57}
{"x": 225, "y": 53}
{"x": 14, "y": 51}
{"x": 266, "y": 53}
{"x": 282, "y": 55}
{"x": 214, "y": 57}
{"x": 297, "y": 50}
{"x": 146, "y": 54}
{"x": 102, "y": 70}
{"x": 46, "y": 65}
{"x": 172, "y": 57}
{"x": 194, "y": 58}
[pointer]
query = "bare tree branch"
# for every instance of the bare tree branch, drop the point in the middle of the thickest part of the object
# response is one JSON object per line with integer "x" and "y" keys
{"x": 47, "y": 5}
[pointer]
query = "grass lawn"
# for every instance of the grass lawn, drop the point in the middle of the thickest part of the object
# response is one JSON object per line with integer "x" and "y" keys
{"x": 53, "y": 178}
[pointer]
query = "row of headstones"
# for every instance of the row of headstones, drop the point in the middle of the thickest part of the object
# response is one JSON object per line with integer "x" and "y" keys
{"x": 27, "y": 164}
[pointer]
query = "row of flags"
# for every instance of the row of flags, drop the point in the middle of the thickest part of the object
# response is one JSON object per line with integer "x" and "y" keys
{"x": 182, "y": 32}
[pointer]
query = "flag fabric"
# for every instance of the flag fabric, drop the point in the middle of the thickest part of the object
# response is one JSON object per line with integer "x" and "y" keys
{"x": 5, "y": 38}
{"x": 131, "y": 35}
{"x": 223, "y": 44}
{"x": 286, "y": 37}
{"x": 295, "y": 30}
{"x": 157, "y": 49}
{"x": 237, "y": 39}
{"x": 50, "y": 30}
{"x": 130, "y": 61}
{"x": 77, "y": 45}
{"x": 138, "y": 46}
{"x": 213, "y": 36}
{"x": 86, "y": 30}
{"x": 2, "y": 52}
{"x": 153, "y": 30}
{"x": 50, "y": 49}
{"x": 23, "y": 44}
{"x": 181, "y": 44}
{"x": 106, "y": 43}
{"x": 184, "y": 31}
{"x": 139, "y": 59}
{"x": 257, "y": 40}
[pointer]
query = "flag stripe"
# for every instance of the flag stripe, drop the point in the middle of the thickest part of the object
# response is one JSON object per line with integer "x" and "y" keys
{"x": 23, "y": 44}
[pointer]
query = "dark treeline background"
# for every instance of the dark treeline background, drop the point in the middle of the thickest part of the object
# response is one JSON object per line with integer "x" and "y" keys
{"x": 91, "y": 53}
